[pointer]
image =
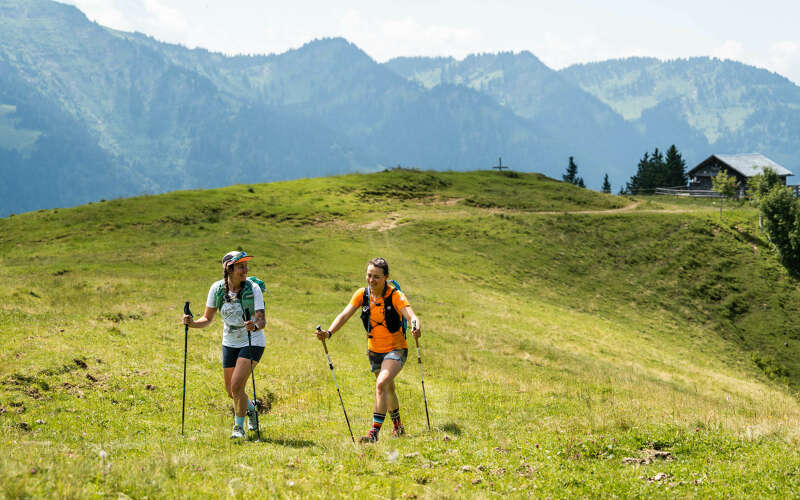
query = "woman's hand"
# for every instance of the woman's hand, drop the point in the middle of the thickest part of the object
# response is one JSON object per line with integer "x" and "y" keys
{"x": 411, "y": 317}
{"x": 250, "y": 326}
{"x": 323, "y": 334}
{"x": 201, "y": 322}
{"x": 416, "y": 330}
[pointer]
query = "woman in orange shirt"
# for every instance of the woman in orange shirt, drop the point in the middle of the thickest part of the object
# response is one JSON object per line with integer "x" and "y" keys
{"x": 381, "y": 305}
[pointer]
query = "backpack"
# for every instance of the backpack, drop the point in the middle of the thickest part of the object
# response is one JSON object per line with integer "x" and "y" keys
{"x": 394, "y": 320}
{"x": 245, "y": 295}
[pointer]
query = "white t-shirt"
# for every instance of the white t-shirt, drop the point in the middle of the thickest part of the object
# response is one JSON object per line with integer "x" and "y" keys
{"x": 233, "y": 331}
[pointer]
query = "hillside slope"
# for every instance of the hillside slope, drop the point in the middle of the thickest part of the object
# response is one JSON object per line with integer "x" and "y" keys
{"x": 563, "y": 331}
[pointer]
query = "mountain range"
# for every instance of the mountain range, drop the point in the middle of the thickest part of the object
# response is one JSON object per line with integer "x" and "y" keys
{"x": 88, "y": 112}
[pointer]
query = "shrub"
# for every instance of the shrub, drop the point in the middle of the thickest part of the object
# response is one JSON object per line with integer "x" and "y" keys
{"x": 781, "y": 216}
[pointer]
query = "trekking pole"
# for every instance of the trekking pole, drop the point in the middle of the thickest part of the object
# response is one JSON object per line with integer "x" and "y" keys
{"x": 252, "y": 376}
{"x": 185, "y": 351}
{"x": 330, "y": 364}
{"x": 419, "y": 361}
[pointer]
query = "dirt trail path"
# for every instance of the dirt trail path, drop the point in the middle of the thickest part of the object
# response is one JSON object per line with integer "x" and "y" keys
{"x": 393, "y": 219}
{"x": 627, "y": 208}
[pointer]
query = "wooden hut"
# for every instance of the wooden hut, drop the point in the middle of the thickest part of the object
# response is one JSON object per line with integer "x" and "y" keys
{"x": 741, "y": 166}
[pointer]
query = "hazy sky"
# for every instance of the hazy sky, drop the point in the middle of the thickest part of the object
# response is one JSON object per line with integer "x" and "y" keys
{"x": 763, "y": 33}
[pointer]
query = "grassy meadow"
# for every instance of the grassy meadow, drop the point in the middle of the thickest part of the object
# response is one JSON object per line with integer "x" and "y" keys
{"x": 574, "y": 344}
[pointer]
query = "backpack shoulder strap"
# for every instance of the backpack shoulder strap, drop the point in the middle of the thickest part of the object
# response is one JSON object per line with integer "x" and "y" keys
{"x": 219, "y": 294}
{"x": 400, "y": 318}
{"x": 365, "y": 310}
{"x": 246, "y": 289}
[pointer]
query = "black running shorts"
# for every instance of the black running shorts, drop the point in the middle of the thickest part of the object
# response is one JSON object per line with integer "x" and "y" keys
{"x": 231, "y": 354}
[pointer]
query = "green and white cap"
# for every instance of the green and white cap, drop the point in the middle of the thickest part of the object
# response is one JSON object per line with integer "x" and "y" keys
{"x": 233, "y": 257}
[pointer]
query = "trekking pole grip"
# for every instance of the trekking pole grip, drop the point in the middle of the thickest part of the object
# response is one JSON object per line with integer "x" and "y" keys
{"x": 186, "y": 309}
{"x": 324, "y": 345}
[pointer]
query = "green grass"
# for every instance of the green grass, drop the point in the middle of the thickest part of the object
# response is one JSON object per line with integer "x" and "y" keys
{"x": 560, "y": 337}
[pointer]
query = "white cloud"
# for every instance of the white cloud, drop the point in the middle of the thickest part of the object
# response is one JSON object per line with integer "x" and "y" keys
{"x": 105, "y": 13}
{"x": 730, "y": 49}
{"x": 165, "y": 17}
{"x": 351, "y": 21}
{"x": 152, "y": 17}
{"x": 558, "y": 51}
{"x": 784, "y": 57}
{"x": 384, "y": 39}
{"x": 410, "y": 29}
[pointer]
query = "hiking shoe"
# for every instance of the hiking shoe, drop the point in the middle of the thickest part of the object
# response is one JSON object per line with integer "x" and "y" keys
{"x": 252, "y": 419}
{"x": 371, "y": 437}
{"x": 238, "y": 432}
{"x": 399, "y": 431}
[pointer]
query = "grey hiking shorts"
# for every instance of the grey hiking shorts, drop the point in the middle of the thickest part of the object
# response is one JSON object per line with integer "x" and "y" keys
{"x": 376, "y": 358}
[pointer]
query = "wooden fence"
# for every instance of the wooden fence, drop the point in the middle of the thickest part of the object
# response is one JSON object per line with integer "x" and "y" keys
{"x": 701, "y": 193}
{"x": 694, "y": 193}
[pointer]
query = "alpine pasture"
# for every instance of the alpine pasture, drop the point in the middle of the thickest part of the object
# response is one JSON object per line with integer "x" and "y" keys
{"x": 574, "y": 344}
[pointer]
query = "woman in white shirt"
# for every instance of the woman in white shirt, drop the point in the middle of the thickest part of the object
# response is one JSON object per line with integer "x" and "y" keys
{"x": 232, "y": 296}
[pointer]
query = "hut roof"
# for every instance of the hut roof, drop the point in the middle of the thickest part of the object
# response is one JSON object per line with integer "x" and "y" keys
{"x": 748, "y": 164}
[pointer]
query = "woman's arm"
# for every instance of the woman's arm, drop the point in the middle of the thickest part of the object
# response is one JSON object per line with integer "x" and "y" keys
{"x": 261, "y": 319}
{"x": 411, "y": 317}
{"x": 203, "y": 322}
{"x": 339, "y": 322}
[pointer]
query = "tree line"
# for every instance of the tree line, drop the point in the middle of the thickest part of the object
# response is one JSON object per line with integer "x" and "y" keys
{"x": 653, "y": 170}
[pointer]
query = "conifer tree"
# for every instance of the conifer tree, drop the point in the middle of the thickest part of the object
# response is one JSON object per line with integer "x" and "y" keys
{"x": 606, "y": 185}
{"x": 571, "y": 175}
{"x": 676, "y": 168}
{"x": 572, "y": 172}
{"x": 651, "y": 173}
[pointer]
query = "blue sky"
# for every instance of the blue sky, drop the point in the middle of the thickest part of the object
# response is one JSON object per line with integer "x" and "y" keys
{"x": 560, "y": 33}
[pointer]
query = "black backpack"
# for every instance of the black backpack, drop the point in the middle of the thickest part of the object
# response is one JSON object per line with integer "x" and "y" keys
{"x": 394, "y": 321}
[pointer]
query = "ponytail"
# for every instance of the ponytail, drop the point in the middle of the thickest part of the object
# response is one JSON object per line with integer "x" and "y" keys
{"x": 225, "y": 279}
